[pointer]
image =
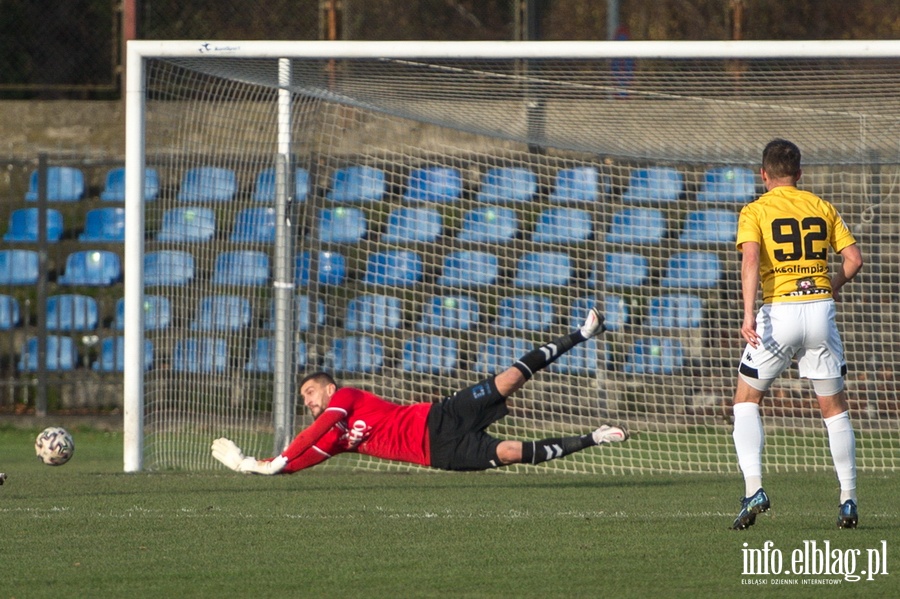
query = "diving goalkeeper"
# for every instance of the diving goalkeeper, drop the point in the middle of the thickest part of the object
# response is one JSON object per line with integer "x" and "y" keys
{"x": 449, "y": 435}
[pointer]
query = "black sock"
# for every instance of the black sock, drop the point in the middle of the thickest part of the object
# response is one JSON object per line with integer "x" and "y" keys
{"x": 535, "y": 452}
{"x": 545, "y": 355}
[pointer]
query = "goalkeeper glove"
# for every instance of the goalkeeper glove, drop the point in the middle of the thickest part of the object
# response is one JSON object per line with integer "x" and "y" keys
{"x": 231, "y": 456}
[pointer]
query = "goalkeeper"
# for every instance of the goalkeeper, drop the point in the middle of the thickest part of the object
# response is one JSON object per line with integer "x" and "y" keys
{"x": 449, "y": 435}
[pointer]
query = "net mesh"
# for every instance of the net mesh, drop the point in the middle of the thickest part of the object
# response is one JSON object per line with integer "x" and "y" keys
{"x": 451, "y": 215}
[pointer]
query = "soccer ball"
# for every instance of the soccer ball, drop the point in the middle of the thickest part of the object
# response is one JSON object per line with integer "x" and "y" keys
{"x": 54, "y": 446}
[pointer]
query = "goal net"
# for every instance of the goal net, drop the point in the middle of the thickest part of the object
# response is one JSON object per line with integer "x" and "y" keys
{"x": 412, "y": 217}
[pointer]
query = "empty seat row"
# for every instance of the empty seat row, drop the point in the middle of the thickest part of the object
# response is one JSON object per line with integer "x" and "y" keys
{"x": 61, "y": 354}
{"x": 359, "y": 183}
{"x": 101, "y": 225}
{"x": 94, "y": 268}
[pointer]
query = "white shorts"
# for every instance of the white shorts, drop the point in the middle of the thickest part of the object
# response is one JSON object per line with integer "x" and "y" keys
{"x": 803, "y": 330}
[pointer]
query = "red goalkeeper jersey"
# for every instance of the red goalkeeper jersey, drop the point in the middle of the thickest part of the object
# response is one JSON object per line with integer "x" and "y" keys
{"x": 357, "y": 420}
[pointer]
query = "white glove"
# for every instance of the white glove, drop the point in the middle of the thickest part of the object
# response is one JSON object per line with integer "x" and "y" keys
{"x": 232, "y": 457}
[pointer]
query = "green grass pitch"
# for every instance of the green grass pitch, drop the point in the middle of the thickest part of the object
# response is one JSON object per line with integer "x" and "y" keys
{"x": 86, "y": 529}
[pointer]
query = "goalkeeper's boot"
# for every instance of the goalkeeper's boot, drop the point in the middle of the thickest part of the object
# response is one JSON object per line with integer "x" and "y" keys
{"x": 849, "y": 516}
{"x": 750, "y": 506}
{"x": 609, "y": 434}
{"x": 593, "y": 324}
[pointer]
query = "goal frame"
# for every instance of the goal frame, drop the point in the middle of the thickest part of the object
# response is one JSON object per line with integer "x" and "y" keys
{"x": 138, "y": 52}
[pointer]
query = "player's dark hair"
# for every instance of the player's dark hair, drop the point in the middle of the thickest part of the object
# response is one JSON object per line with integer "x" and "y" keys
{"x": 320, "y": 377}
{"x": 781, "y": 158}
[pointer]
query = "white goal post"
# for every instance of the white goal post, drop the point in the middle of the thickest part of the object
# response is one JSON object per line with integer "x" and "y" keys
{"x": 410, "y": 215}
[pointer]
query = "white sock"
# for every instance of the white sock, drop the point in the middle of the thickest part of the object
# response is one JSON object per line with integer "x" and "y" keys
{"x": 842, "y": 442}
{"x": 748, "y": 443}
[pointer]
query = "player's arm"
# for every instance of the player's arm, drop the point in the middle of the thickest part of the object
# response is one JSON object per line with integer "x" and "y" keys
{"x": 851, "y": 264}
{"x": 307, "y": 459}
{"x": 749, "y": 288}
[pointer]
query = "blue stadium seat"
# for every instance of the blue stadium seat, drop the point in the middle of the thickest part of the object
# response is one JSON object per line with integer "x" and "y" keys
{"x": 104, "y": 225}
{"x": 614, "y": 308}
{"x": 196, "y": 355}
{"x": 728, "y": 185}
{"x": 676, "y": 310}
{"x": 188, "y": 223}
{"x": 262, "y": 356}
{"x": 264, "y": 189}
{"x": 62, "y": 354}
{"x": 429, "y": 354}
{"x": 168, "y": 267}
{"x": 331, "y": 268}
{"x": 498, "y": 353}
{"x": 541, "y": 269}
{"x": 710, "y": 226}
{"x": 342, "y": 225}
{"x": 96, "y": 268}
{"x": 157, "y": 313}
{"x": 489, "y": 224}
{"x": 18, "y": 267}
{"x": 222, "y": 313}
{"x": 241, "y": 267}
{"x": 527, "y": 312}
{"x": 114, "y": 185}
{"x": 563, "y": 225}
{"x": 357, "y": 184}
{"x": 208, "y": 184}
{"x": 64, "y": 184}
{"x": 624, "y": 269}
{"x": 655, "y": 184}
{"x": 579, "y": 184}
{"x": 254, "y": 225}
{"x": 394, "y": 268}
{"x": 23, "y": 226}
{"x": 434, "y": 184}
{"x": 9, "y": 312}
{"x": 692, "y": 270}
{"x": 413, "y": 225}
{"x": 306, "y": 314}
{"x": 511, "y": 184}
{"x": 584, "y": 359}
{"x": 112, "y": 355}
{"x": 637, "y": 226}
{"x": 72, "y": 312}
{"x": 449, "y": 312}
{"x": 358, "y": 354}
{"x": 467, "y": 269}
{"x": 652, "y": 355}
{"x": 372, "y": 313}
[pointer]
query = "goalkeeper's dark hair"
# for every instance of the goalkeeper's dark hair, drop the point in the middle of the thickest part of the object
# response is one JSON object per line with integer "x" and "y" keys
{"x": 320, "y": 376}
{"x": 781, "y": 158}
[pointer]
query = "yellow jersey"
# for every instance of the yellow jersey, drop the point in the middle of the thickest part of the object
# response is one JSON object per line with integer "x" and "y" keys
{"x": 794, "y": 230}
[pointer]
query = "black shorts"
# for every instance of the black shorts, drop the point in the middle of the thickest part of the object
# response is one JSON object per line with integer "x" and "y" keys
{"x": 456, "y": 427}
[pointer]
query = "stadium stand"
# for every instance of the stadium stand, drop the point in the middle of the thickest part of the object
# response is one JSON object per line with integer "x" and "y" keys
{"x": 104, "y": 225}
{"x": 624, "y": 269}
{"x": 241, "y": 267}
{"x": 208, "y": 184}
{"x": 710, "y": 226}
{"x": 342, "y": 225}
{"x": 507, "y": 184}
{"x": 654, "y": 185}
{"x": 543, "y": 269}
{"x": 438, "y": 184}
{"x": 112, "y": 355}
{"x": 96, "y": 268}
{"x": 581, "y": 360}
{"x": 157, "y": 313}
{"x": 23, "y": 226}
{"x": 262, "y": 356}
{"x": 114, "y": 185}
{"x": 527, "y": 312}
{"x": 168, "y": 267}
{"x": 254, "y": 225}
{"x": 496, "y": 354}
{"x": 204, "y": 354}
{"x": 489, "y": 224}
{"x": 64, "y": 184}
{"x": 331, "y": 268}
{"x": 429, "y": 354}
{"x": 359, "y": 354}
{"x": 394, "y": 268}
{"x": 306, "y": 314}
{"x": 10, "y": 315}
{"x": 692, "y": 270}
{"x": 653, "y": 355}
{"x": 188, "y": 223}
{"x": 72, "y": 312}
{"x": 563, "y": 225}
{"x": 357, "y": 184}
{"x": 728, "y": 185}
{"x": 18, "y": 267}
{"x": 264, "y": 187}
{"x": 449, "y": 312}
{"x": 468, "y": 269}
{"x": 373, "y": 313}
{"x": 413, "y": 225}
{"x": 676, "y": 310}
{"x": 578, "y": 184}
{"x": 635, "y": 226}
{"x": 61, "y": 354}
{"x": 222, "y": 313}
